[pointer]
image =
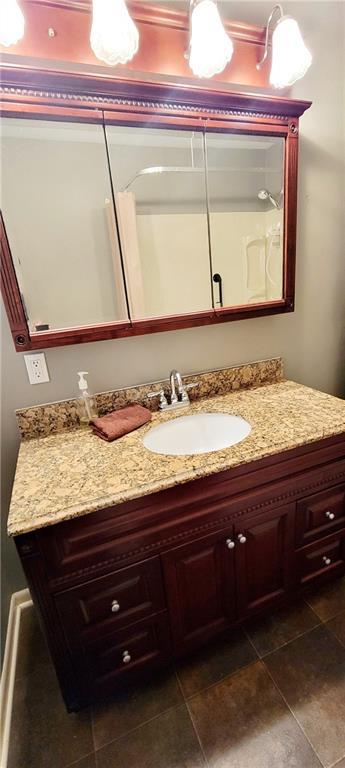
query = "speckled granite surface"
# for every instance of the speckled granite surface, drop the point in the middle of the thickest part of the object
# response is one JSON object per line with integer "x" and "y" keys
{"x": 43, "y": 420}
{"x": 74, "y": 473}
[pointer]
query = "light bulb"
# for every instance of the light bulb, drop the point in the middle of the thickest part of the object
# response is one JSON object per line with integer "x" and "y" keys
{"x": 114, "y": 37}
{"x": 210, "y": 47}
{"x": 11, "y": 22}
{"x": 290, "y": 56}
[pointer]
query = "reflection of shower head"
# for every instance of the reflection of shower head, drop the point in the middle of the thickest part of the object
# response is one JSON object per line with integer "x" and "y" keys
{"x": 264, "y": 194}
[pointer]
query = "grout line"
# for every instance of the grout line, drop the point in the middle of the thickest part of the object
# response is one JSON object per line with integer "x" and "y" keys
{"x": 179, "y": 683}
{"x": 342, "y": 642}
{"x": 334, "y": 615}
{"x": 197, "y": 735}
{"x": 191, "y": 718}
{"x": 92, "y": 729}
{"x": 292, "y": 713}
{"x": 334, "y": 765}
{"x": 136, "y": 727}
{"x": 279, "y": 647}
{"x": 222, "y": 679}
{"x": 75, "y": 762}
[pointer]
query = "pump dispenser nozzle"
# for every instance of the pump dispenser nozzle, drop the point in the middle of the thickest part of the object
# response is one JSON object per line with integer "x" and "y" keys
{"x": 86, "y": 404}
{"x": 82, "y": 383}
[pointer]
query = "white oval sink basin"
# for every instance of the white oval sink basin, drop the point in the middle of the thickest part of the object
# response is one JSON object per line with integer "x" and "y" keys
{"x": 198, "y": 433}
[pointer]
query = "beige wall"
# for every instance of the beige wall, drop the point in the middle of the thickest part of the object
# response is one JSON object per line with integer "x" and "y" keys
{"x": 311, "y": 340}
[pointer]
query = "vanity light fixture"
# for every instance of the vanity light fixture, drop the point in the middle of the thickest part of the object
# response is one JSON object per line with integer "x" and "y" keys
{"x": 290, "y": 56}
{"x": 12, "y": 22}
{"x": 114, "y": 37}
{"x": 210, "y": 48}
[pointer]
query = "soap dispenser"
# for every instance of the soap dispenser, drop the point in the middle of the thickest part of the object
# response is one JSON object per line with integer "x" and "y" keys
{"x": 86, "y": 404}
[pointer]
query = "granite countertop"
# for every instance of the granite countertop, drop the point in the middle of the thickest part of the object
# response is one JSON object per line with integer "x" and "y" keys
{"x": 73, "y": 473}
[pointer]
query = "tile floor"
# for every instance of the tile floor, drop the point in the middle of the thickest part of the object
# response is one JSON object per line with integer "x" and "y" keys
{"x": 269, "y": 696}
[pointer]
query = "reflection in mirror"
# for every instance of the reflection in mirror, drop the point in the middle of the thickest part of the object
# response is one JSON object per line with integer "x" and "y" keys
{"x": 245, "y": 192}
{"x": 56, "y": 195}
{"x": 160, "y": 197}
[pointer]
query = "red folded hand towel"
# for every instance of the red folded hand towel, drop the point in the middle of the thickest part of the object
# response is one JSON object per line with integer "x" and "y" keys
{"x": 119, "y": 423}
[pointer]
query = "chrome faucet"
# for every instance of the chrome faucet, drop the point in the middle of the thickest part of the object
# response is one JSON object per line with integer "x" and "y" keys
{"x": 179, "y": 397}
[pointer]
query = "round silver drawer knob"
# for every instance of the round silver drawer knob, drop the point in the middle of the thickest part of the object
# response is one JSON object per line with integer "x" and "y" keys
{"x": 230, "y": 543}
{"x": 330, "y": 515}
{"x": 327, "y": 560}
{"x": 126, "y": 657}
{"x": 242, "y": 539}
{"x": 115, "y": 606}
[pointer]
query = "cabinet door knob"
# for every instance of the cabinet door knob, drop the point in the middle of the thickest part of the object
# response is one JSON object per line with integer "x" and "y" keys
{"x": 330, "y": 515}
{"x": 126, "y": 657}
{"x": 230, "y": 543}
{"x": 327, "y": 560}
{"x": 242, "y": 539}
{"x": 115, "y": 606}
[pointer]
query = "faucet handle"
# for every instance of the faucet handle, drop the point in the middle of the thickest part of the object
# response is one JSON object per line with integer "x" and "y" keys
{"x": 162, "y": 399}
{"x": 186, "y": 387}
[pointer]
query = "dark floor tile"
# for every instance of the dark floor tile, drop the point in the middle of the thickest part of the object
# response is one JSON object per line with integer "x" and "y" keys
{"x": 134, "y": 706}
{"x": 43, "y": 734}
{"x": 337, "y": 626}
{"x": 280, "y": 627}
{"x": 244, "y": 723}
{"x": 215, "y": 662}
{"x": 329, "y": 600}
{"x": 168, "y": 741}
{"x": 85, "y": 762}
{"x": 310, "y": 672}
{"x": 32, "y": 648}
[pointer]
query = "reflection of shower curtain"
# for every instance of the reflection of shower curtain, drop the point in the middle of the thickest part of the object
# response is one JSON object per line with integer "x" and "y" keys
{"x": 127, "y": 221}
{"x": 121, "y": 304}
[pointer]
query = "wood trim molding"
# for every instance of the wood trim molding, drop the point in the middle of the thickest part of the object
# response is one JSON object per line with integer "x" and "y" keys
{"x": 29, "y": 84}
{"x": 11, "y": 293}
{"x": 20, "y": 601}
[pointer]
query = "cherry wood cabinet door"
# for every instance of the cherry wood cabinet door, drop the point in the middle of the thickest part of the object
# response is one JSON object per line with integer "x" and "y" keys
{"x": 264, "y": 553}
{"x": 200, "y": 582}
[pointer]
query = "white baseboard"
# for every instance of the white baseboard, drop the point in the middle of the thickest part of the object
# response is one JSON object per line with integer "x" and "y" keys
{"x": 19, "y": 602}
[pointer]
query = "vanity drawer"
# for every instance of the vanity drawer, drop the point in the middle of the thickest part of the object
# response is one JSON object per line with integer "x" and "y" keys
{"x": 110, "y": 658}
{"x": 321, "y": 558}
{"x": 320, "y": 514}
{"x": 116, "y": 600}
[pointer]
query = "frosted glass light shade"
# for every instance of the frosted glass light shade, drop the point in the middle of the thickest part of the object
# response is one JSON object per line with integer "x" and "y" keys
{"x": 290, "y": 56}
{"x": 210, "y": 47}
{"x": 114, "y": 37}
{"x": 12, "y": 22}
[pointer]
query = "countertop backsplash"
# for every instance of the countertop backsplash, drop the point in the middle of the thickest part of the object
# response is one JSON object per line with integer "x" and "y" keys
{"x": 51, "y": 418}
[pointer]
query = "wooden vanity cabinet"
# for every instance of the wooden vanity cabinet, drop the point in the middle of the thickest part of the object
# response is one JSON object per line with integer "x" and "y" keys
{"x": 201, "y": 588}
{"x": 264, "y": 547}
{"x": 129, "y": 588}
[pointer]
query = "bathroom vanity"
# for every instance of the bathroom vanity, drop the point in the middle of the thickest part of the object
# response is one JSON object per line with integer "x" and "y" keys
{"x": 134, "y": 559}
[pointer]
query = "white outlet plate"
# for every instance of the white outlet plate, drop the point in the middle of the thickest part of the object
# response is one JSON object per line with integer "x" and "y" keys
{"x": 36, "y": 367}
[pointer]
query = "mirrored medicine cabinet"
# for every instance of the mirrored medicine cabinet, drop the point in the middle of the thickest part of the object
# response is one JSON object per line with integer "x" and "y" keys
{"x": 117, "y": 223}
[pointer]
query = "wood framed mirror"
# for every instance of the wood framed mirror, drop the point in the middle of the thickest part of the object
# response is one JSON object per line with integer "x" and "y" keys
{"x": 144, "y": 208}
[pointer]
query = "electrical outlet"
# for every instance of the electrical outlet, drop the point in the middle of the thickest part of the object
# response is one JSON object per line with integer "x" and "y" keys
{"x": 36, "y": 367}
